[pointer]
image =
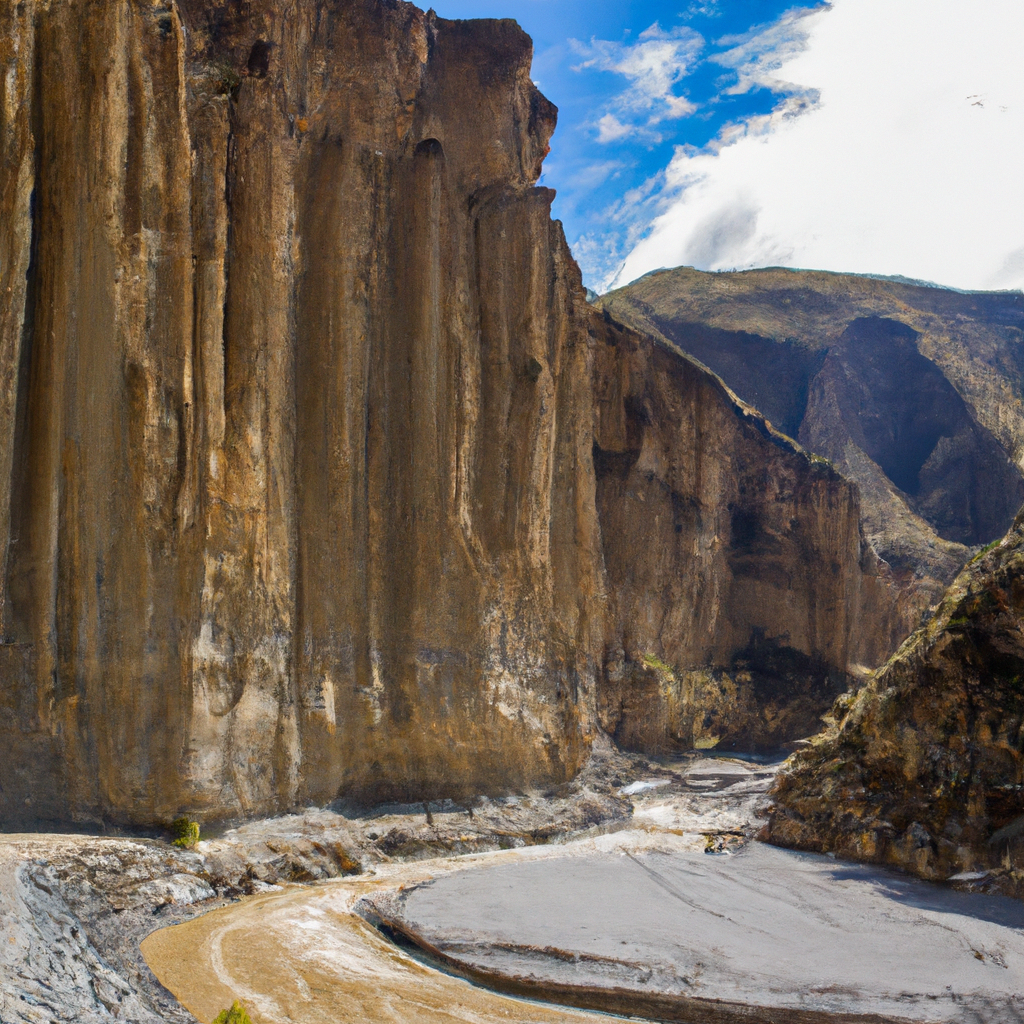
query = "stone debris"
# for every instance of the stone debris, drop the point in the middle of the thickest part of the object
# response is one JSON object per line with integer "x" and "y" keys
{"x": 73, "y": 909}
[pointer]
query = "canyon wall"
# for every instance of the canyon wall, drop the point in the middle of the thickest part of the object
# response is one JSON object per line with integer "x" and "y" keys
{"x": 295, "y": 430}
{"x": 743, "y": 597}
{"x": 297, "y": 437}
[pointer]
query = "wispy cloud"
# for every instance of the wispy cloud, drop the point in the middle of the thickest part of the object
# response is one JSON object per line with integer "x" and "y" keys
{"x": 705, "y": 9}
{"x": 759, "y": 56}
{"x": 611, "y": 129}
{"x": 654, "y": 66}
{"x": 624, "y": 223}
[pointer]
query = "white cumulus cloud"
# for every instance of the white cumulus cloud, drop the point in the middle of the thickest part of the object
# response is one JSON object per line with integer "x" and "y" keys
{"x": 897, "y": 147}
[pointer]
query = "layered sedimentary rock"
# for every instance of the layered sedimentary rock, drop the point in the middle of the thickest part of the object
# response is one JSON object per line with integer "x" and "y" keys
{"x": 913, "y": 392}
{"x": 924, "y": 767}
{"x": 742, "y": 594}
{"x": 297, "y": 437}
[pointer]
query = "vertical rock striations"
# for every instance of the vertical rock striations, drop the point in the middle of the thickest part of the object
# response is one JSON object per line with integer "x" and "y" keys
{"x": 297, "y": 436}
{"x": 742, "y": 594}
{"x": 297, "y": 415}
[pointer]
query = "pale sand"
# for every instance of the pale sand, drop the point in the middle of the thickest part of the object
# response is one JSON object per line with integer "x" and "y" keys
{"x": 303, "y": 956}
{"x": 643, "y": 909}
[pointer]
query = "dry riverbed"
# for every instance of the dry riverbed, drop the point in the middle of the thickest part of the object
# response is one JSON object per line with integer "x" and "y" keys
{"x": 670, "y": 912}
{"x": 74, "y": 908}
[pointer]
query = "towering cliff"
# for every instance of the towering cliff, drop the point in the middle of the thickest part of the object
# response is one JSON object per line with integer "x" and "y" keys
{"x": 297, "y": 415}
{"x": 915, "y": 392}
{"x": 297, "y": 437}
{"x": 742, "y": 594}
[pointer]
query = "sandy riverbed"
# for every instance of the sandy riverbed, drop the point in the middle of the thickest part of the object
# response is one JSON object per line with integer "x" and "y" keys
{"x": 767, "y": 927}
{"x": 770, "y": 933}
{"x": 304, "y": 956}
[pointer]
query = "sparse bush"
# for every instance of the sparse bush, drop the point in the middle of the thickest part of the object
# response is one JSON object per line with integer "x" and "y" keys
{"x": 985, "y": 550}
{"x": 186, "y": 835}
{"x": 236, "y": 1015}
{"x": 653, "y": 661}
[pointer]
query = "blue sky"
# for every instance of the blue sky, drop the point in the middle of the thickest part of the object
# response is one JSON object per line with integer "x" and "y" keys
{"x": 875, "y": 136}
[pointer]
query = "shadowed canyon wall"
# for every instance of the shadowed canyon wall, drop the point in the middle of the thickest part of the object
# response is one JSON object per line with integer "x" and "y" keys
{"x": 742, "y": 594}
{"x": 297, "y": 436}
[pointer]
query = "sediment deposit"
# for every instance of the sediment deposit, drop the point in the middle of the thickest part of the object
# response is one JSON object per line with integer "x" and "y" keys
{"x": 297, "y": 439}
{"x": 74, "y": 908}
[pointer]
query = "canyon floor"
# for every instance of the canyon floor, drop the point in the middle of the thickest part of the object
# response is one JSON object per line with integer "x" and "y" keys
{"x": 670, "y": 912}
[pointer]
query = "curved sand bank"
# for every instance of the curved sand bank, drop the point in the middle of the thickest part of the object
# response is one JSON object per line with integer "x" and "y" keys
{"x": 802, "y": 937}
{"x": 641, "y": 921}
{"x": 304, "y": 956}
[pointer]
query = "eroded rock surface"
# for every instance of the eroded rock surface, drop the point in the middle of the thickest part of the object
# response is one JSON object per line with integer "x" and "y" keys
{"x": 743, "y": 597}
{"x": 924, "y": 767}
{"x": 298, "y": 495}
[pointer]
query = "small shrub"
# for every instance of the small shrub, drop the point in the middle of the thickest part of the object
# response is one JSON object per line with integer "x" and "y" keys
{"x": 227, "y": 80}
{"x": 653, "y": 661}
{"x": 186, "y": 835}
{"x": 236, "y": 1015}
{"x": 985, "y": 550}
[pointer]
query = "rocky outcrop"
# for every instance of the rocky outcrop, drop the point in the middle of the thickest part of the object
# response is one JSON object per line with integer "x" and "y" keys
{"x": 913, "y": 392}
{"x": 742, "y": 595}
{"x": 297, "y": 439}
{"x": 924, "y": 767}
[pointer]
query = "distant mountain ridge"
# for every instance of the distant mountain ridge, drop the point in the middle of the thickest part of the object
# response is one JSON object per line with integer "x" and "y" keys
{"x": 913, "y": 391}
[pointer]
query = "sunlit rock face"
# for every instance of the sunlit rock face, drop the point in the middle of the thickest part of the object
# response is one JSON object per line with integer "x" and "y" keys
{"x": 303, "y": 421}
{"x": 297, "y": 417}
{"x": 925, "y": 767}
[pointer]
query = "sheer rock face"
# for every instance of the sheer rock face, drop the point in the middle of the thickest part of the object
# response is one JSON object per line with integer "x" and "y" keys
{"x": 297, "y": 447}
{"x": 742, "y": 594}
{"x": 296, "y": 416}
{"x": 924, "y": 769}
